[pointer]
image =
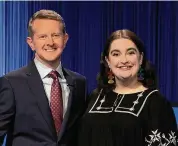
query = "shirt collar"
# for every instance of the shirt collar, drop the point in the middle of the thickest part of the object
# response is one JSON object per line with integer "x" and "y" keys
{"x": 44, "y": 70}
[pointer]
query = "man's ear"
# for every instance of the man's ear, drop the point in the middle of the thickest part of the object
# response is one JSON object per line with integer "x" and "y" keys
{"x": 30, "y": 43}
{"x": 66, "y": 37}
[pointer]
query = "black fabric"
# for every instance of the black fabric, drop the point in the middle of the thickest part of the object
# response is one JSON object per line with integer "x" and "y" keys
{"x": 151, "y": 122}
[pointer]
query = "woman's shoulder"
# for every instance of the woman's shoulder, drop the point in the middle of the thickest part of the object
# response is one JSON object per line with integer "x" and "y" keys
{"x": 155, "y": 95}
{"x": 100, "y": 92}
{"x": 156, "y": 100}
{"x": 95, "y": 93}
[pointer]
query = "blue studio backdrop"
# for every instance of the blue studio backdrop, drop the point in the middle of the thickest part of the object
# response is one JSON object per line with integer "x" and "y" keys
{"x": 88, "y": 25}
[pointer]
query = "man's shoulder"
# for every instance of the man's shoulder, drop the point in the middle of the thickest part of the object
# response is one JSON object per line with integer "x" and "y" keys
{"x": 17, "y": 72}
{"x": 74, "y": 74}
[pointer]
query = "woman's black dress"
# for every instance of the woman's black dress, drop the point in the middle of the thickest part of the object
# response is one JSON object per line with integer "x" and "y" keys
{"x": 139, "y": 119}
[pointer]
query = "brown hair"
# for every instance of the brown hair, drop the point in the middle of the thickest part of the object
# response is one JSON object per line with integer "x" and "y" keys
{"x": 45, "y": 14}
{"x": 148, "y": 70}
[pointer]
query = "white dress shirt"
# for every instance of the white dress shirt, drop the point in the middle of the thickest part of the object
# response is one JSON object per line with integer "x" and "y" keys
{"x": 47, "y": 82}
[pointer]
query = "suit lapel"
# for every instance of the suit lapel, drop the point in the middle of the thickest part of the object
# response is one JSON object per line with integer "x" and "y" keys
{"x": 36, "y": 86}
{"x": 71, "y": 85}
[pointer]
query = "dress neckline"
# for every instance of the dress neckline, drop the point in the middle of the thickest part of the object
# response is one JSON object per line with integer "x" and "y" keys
{"x": 132, "y": 93}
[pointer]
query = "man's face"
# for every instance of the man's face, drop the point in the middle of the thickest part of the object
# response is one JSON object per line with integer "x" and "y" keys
{"x": 48, "y": 41}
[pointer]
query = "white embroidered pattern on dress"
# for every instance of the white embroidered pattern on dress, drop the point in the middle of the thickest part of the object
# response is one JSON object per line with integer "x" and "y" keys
{"x": 131, "y": 110}
{"x": 160, "y": 139}
{"x": 117, "y": 105}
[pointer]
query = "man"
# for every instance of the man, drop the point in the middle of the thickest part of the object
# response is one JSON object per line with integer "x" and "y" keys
{"x": 40, "y": 104}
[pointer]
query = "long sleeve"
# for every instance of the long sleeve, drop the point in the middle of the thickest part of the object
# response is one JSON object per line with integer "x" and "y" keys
{"x": 161, "y": 123}
{"x": 6, "y": 107}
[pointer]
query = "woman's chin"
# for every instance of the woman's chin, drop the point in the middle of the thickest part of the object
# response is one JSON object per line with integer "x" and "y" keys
{"x": 125, "y": 78}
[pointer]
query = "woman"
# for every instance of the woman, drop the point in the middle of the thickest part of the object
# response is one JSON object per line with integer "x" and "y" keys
{"x": 126, "y": 109}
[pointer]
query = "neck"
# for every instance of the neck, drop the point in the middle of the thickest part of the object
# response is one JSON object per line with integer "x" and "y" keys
{"x": 128, "y": 86}
{"x": 51, "y": 64}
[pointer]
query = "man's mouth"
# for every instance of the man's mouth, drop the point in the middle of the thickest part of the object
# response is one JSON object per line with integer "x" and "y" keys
{"x": 50, "y": 49}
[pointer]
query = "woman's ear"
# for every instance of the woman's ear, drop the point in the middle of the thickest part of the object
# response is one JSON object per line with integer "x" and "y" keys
{"x": 141, "y": 58}
{"x": 107, "y": 60}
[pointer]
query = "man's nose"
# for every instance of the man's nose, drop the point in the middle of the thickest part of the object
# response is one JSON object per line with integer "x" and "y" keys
{"x": 50, "y": 41}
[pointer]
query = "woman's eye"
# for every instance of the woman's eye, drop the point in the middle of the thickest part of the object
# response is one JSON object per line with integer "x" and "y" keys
{"x": 131, "y": 52}
{"x": 115, "y": 54}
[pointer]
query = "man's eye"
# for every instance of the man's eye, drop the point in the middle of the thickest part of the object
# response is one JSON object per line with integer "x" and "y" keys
{"x": 57, "y": 35}
{"x": 43, "y": 37}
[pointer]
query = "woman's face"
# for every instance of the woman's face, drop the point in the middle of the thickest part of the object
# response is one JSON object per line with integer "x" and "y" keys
{"x": 124, "y": 59}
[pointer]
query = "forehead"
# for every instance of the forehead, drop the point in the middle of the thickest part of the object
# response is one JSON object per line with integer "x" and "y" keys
{"x": 122, "y": 44}
{"x": 46, "y": 25}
